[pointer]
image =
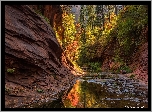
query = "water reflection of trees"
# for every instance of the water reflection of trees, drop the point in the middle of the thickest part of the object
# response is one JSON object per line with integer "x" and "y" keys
{"x": 84, "y": 95}
{"x": 72, "y": 99}
{"x": 93, "y": 95}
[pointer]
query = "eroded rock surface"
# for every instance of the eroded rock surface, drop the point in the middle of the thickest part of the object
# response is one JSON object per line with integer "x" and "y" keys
{"x": 54, "y": 15}
{"x": 140, "y": 63}
{"x": 40, "y": 68}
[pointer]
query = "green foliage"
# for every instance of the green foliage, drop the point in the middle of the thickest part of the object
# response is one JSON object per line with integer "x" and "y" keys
{"x": 87, "y": 52}
{"x": 70, "y": 30}
{"x": 99, "y": 16}
{"x": 39, "y": 13}
{"x": 11, "y": 70}
{"x": 127, "y": 32}
{"x": 82, "y": 57}
{"x": 40, "y": 91}
{"x": 115, "y": 84}
{"x": 117, "y": 58}
{"x": 47, "y": 20}
{"x": 99, "y": 30}
{"x": 122, "y": 68}
{"x": 95, "y": 66}
{"x": 7, "y": 89}
{"x": 126, "y": 68}
{"x": 132, "y": 76}
{"x": 68, "y": 36}
{"x": 94, "y": 39}
{"x": 130, "y": 24}
{"x": 116, "y": 71}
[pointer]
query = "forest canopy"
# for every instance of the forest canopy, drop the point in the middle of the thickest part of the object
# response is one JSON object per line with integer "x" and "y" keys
{"x": 89, "y": 31}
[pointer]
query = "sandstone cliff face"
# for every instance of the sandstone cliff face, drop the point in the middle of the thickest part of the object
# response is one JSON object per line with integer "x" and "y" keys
{"x": 32, "y": 51}
{"x": 140, "y": 63}
{"x": 54, "y": 14}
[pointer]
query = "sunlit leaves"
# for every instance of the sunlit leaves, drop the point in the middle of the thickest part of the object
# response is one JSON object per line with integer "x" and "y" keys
{"x": 98, "y": 26}
{"x": 95, "y": 30}
{"x": 68, "y": 35}
{"x": 68, "y": 24}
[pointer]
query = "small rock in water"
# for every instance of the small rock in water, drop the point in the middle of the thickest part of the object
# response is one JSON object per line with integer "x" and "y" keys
{"x": 123, "y": 72}
{"x": 126, "y": 91}
{"x": 131, "y": 86}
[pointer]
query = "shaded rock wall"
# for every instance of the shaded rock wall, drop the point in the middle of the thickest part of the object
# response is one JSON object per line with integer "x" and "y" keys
{"x": 54, "y": 14}
{"x": 40, "y": 67}
{"x": 140, "y": 58}
{"x": 140, "y": 63}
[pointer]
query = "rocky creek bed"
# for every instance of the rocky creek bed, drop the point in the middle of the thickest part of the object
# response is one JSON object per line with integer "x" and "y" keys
{"x": 107, "y": 92}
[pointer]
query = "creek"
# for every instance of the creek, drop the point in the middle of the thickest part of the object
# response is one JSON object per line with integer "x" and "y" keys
{"x": 105, "y": 92}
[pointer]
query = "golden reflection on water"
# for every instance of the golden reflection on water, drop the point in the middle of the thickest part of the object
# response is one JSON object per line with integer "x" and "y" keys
{"x": 81, "y": 97}
{"x": 92, "y": 95}
{"x": 73, "y": 96}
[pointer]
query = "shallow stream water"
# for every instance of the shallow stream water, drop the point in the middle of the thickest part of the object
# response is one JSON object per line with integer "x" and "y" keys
{"x": 93, "y": 92}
